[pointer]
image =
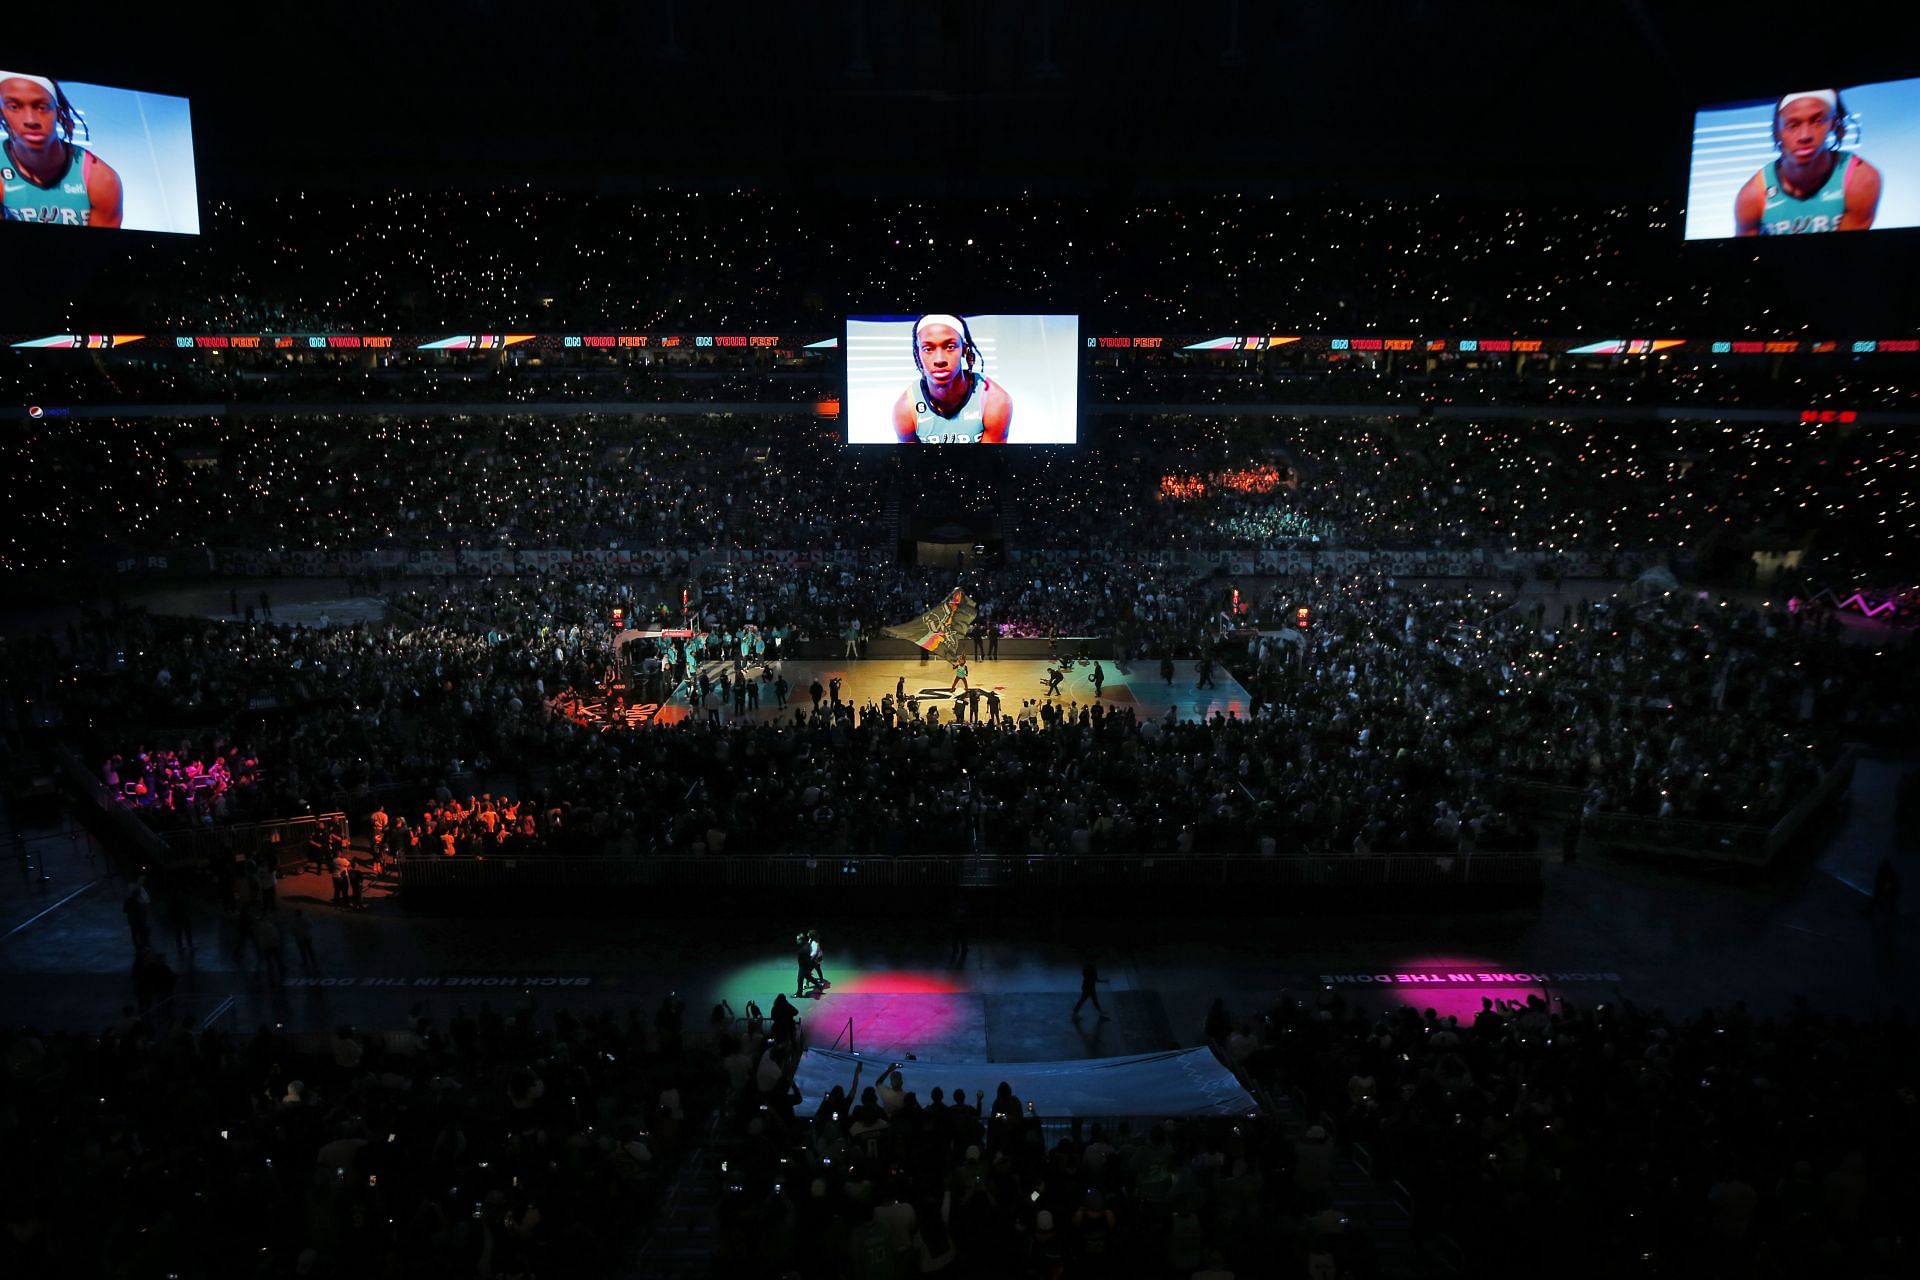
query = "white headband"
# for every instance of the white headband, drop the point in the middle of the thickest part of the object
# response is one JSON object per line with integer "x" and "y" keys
{"x": 42, "y": 81}
{"x": 954, "y": 323}
{"x": 1829, "y": 96}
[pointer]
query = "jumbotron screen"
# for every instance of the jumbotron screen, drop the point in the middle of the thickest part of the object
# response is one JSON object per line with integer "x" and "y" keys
{"x": 1806, "y": 161}
{"x": 87, "y": 155}
{"x": 937, "y": 378}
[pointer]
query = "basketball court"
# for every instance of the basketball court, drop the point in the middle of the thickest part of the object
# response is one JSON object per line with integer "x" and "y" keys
{"x": 1138, "y": 687}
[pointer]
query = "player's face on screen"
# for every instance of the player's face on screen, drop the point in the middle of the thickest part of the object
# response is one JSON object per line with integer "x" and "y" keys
{"x": 939, "y": 353}
{"x": 1805, "y": 126}
{"x": 29, "y": 112}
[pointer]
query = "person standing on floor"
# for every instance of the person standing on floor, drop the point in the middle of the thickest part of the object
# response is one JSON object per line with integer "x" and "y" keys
{"x": 266, "y": 883}
{"x": 957, "y": 918}
{"x": 266, "y": 942}
{"x": 180, "y": 919}
{"x": 302, "y": 931}
{"x": 1089, "y": 989}
{"x": 136, "y": 904}
{"x": 803, "y": 962}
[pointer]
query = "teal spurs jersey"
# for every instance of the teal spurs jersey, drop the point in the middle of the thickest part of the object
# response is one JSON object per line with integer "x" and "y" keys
{"x": 1787, "y": 215}
{"x": 968, "y": 426}
{"x": 65, "y": 202}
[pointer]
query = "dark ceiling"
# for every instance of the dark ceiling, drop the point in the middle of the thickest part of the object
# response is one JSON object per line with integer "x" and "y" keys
{"x": 957, "y": 99}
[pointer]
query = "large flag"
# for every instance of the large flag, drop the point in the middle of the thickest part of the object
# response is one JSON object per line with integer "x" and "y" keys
{"x": 940, "y": 629}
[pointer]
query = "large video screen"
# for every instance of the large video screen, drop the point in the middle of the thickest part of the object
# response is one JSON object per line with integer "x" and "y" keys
{"x": 1807, "y": 161}
{"x": 963, "y": 379}
{"x": 86, "y": 155}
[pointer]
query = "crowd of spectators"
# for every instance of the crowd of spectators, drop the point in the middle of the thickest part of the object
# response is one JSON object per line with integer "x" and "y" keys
{"x": 1594, "y": 488}
{"x": 340, "y": 483}
{"x": 1724, "y": 1144}
{"x": 1173, "y": 379}
{"x": 1721, "y": 1144}
{"x": 494, "y": 1142}
{"x": 1399, "y": 718}
{"x": 1141, "y": 605}
{"x": 315, "y": 382}
{"x": 330, "y": 710}
{"x": 531, "y": 259}
{"x": 775, "y": 477}
{"x": 178, "y": 785}
{"x": 1664, "y": 709}
{"x": 482, "y": 826}
{"x": 795, "y": 378}
{"x": 1659, "y": 703}
{"x": 393, "y": 485}
{"x": 1394, "y": 722}
{"x": 890, "y": 1175}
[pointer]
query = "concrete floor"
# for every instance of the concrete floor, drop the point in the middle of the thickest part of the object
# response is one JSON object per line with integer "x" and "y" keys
{"x": 1683, "y": 939}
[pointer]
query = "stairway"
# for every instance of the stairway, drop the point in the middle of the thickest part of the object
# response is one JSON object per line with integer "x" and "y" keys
{"x": 982, "y": 869}
{"x": 1009, "y": 520}
{"x": 890, "y": 516}
{"x": 1379, "y": 1208}
{"x": 681, "y": 1246}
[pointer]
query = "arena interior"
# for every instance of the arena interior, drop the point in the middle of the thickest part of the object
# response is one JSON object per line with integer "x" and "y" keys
{"x": 1400, "y": 764}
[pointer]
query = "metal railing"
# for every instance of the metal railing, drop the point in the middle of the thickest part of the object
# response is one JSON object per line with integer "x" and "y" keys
{"x": 944, "y": 872}
{"x": 287, "y": 837}
{"x": 1680, "y": 837}
{"x": 127, "y": 832}
{"x": 1539, "y": 799}
{"x": 1833, "y": 783}
{"x": 1724, "y": 841}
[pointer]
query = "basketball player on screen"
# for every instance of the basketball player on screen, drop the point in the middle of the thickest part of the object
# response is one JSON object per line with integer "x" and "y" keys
{"x": 1811, "y": 187}
{"x": 44, "y": 177}
{"x": 952, "y": 402}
